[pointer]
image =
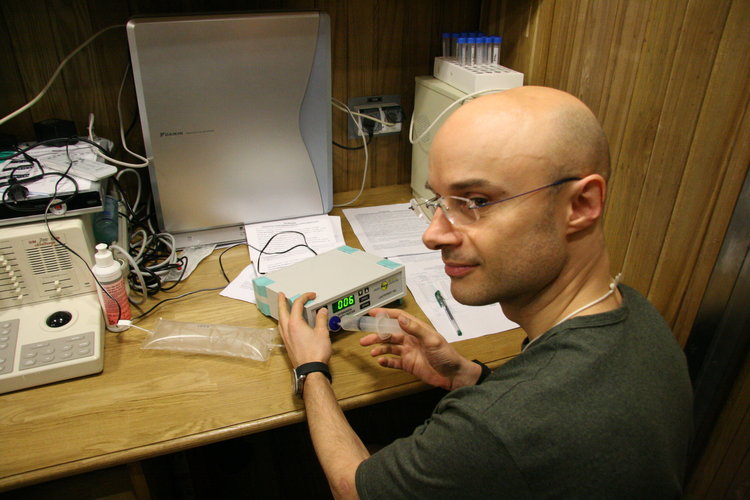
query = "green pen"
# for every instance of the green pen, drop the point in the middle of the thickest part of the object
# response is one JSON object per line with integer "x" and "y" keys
{"x": 441, "y": 302}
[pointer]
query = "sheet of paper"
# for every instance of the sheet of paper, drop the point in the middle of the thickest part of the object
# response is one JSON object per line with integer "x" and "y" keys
{"x": 388, "y": 230}
{"x": 43, "y": 187}
{"x": 319, "y": 232}
{"x": 80, "y": 150}
{"x": 424, "y": 276}
{"x": 241, "y": 288}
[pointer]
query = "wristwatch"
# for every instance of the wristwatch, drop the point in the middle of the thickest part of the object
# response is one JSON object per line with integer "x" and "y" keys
{"x": 300, "y": 373}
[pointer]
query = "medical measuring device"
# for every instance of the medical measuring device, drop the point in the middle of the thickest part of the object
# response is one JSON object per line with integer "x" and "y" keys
{"x": 347, "y": 281}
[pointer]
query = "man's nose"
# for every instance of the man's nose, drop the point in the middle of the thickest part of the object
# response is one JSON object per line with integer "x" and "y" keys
{"x": 440, "y": 232}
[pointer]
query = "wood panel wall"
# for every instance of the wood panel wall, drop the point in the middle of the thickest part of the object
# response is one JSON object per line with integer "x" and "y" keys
{"x": 670, "y": 81}
{"x": 723, "y": 471}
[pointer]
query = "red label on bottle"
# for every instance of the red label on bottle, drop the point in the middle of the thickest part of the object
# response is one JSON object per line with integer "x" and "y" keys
{"x": 118, "y": 291}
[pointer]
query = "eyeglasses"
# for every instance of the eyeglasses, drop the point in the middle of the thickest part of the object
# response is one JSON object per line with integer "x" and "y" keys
{"x": 463, "y": 211}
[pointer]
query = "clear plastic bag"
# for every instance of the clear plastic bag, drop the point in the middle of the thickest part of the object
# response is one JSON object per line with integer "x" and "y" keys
{"x": 221, "y": 340}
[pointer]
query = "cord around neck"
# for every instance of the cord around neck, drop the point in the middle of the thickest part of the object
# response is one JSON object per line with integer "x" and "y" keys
{"x": 612, "y": 288}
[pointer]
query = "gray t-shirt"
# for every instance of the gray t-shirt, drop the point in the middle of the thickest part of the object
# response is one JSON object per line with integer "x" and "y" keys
{"x": 598, "y": 407}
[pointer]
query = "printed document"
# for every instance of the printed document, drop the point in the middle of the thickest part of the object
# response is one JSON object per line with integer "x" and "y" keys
{"x": 388, "y": 230}
{"x": 284, "y": 242}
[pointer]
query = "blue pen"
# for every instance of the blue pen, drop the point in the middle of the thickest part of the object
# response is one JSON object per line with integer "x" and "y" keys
{"x": 441, "y": 302}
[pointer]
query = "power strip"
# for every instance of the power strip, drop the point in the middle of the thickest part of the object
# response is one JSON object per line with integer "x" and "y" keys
{"x": 386, "y": 108}
{"x": 387, "y": 112}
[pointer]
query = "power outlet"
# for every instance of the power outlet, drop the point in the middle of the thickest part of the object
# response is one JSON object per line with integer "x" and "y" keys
{"x": 386, "y": 108}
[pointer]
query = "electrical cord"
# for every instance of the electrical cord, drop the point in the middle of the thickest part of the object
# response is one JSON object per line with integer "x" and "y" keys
{"x": 133, "y": 266}
{"x": 14, "y": 183}
{"x": 170, "y": 299}
{"x": 344, "y": 107}
{"x": 45, "y": 142}
{"x": 263, "y": 250}
{"x": 57, "y": 73}
{"x": 138, "y": 187}
{"x": 54, "y": 200}
{"x": 144, "y": 160}
{"x": 412, "y": 140}
{"x": 142, "y": 251}
{"x": 101, "y": 287}
{"x": 355, "y": 148}
{"x": 151, "y": 255}
{"x": 28, "y": 208}
{"x": 18, "y": 192}
{"x": 154, "y": 255}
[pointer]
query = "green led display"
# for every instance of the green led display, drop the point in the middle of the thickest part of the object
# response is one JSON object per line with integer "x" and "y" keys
{"x": 343, "y": 303}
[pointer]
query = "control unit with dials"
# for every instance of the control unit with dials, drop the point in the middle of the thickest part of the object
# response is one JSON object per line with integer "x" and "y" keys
{"x": 51, "y": 325}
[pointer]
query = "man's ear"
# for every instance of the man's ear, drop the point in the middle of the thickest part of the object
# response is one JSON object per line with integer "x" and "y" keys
{"x": 586, "y": 202}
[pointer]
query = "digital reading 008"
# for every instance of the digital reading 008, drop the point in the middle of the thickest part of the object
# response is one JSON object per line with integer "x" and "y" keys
{"x": 342, "y": 303}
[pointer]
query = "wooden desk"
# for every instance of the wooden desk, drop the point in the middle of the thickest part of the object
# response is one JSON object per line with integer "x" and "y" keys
{"x": 148, "y": 403}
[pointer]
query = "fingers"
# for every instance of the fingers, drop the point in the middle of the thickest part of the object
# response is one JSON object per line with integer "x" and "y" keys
{"x": 321, "y": 320}
{"x": 394, "y": 363}
{"x": 295, "y": 314}
{"x": 404, "y": 319}
{"x": 299, "y": 303}
{"x": 370, "y": 339}
{"x": 395, "y": 350}
{"x": 374, "y": 338}
{"x": 283, "y": 316}
{"x": 426, "y": 335}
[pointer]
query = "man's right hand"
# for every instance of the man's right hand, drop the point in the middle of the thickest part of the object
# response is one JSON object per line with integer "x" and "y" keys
{"x": 423, "y": 352}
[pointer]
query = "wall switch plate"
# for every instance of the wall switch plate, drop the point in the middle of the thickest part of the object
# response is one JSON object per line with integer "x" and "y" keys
{"x": 383, "y": 107}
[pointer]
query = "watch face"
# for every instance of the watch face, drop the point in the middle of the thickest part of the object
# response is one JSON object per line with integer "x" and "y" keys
{"x": 298, "y": 382}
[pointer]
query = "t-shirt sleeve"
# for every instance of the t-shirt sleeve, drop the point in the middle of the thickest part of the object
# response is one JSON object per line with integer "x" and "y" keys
{"x": 452, "y": 455}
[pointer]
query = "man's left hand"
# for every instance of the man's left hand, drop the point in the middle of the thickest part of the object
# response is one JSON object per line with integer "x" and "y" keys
{"x": 304, "y": 344}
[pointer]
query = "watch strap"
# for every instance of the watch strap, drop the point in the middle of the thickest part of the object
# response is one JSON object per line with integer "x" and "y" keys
{"x": 485, "y": 371}
{"x": 314, "y": 366}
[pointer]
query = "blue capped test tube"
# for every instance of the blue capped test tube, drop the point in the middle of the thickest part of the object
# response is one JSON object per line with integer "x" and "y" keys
{"x": 446, "y": 44}
{"x": 482, "y": 50}
{"x": 471, "y": 49}
{"x": 461, "y": 51}
{"x": 495, "y": 49}
{"x": 454, "y": 44}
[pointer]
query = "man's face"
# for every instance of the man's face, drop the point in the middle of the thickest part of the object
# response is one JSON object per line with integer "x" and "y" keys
{"x": 516, "y": 248}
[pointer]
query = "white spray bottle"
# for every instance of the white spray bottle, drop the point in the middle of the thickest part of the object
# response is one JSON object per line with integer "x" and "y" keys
{"x": 109, "y": 275}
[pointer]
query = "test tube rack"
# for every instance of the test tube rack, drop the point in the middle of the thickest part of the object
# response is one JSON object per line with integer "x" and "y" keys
{"x": 475, "y": 78}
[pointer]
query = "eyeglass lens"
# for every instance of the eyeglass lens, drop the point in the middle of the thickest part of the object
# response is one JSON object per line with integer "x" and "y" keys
{"x": 455, "y": 209}
{"x": 423, "y": 208}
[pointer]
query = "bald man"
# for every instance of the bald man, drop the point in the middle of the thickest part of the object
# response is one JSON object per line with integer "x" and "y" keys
{"x": 597, "y": 405}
